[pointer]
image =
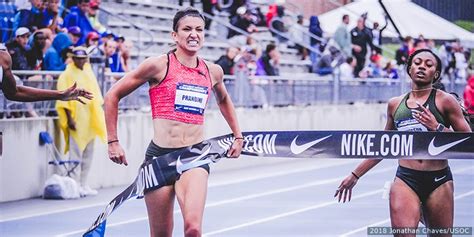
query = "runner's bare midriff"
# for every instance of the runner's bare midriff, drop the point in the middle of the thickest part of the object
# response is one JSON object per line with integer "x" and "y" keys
{"x": 174, "y": 134}
{"x": 424, "y": 165}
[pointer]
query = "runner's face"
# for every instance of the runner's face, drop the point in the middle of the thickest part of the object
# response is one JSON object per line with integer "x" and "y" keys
{"x": 423, "y": 68}
{"x": 190, "y": 33}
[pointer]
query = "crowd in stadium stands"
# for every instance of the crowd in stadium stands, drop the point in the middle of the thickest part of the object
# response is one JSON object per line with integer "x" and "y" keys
{"x": 361, "y": 43}
{"x": 44, "y": 33}
{"x": 247, "y": 18}
{"x": 356, "y": 53}
{"x": 41, "y": 39}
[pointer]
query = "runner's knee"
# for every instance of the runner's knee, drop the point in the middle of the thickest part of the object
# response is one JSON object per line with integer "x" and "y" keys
{"x": 192, "y": 229}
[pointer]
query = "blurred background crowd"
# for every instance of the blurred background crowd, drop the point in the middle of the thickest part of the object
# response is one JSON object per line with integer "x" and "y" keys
{"x": 275, "y": 40}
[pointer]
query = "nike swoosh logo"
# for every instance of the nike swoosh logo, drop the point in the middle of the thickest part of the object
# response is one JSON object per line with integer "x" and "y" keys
{"x": 436, "y": 150}
{"x": 440, "y": 178}
{"x": 298, "y": 149}
{"x": 180, "y": 167}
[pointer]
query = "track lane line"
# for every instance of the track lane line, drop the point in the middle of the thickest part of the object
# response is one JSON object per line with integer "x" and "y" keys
{"x": 388, "y": 219}
{"x": 243, "y": 180}
{"x": 239, "y": 199}
{"x": 364, "y": 228}
{"x": 285, "y": 214}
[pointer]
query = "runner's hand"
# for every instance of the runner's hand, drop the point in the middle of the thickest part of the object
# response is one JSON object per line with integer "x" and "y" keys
{"x": 235, "y": 149}
{"x": 116, "y": 153}
{"x": 425, "y": 117}
{"x": 72, "y": 93}
{"x": 345, "y": 188}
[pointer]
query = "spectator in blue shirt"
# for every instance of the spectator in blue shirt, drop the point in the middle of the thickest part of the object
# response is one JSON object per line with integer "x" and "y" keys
{"x": 75, "y": 35}
{"x": 315, "y": 28}
{"x": 268, "y": 64}
{"x": 30, "y": 18}
{"x": 390, "y": 71}
{"x": 51, "y": 18}
{"x": 55, "y": 57}
{"x": 112, "y": 56}
{"x": 78, "y": 17}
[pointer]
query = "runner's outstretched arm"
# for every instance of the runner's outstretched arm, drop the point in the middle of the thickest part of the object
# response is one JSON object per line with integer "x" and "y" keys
{"x": 344, "y": 190}
{"x": 29, "y": 94}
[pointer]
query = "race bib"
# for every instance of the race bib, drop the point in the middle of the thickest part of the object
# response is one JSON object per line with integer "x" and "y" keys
{"x": 190, "y": 98}
{"x": 410, "y": 125}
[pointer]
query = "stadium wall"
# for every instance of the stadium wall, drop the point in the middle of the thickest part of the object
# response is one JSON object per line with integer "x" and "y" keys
{"x": 24, "y": 168}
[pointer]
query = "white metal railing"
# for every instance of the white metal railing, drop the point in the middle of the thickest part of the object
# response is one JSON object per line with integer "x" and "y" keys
{"x": 246, "y": 91}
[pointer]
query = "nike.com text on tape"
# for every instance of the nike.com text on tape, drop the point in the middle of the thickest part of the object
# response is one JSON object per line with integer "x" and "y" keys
{"x": 363, "y": 145}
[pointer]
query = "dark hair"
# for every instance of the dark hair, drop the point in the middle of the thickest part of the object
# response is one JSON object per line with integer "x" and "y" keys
{"x": 440, "y": 86}
{"x": 438, "y": 62}
{"x": 37, "y": 34}
{"x": 189, "y": 11}
{"x": 345, "y": 16}
{"x": 270, "y": 47}
{"x": 417, "y": 42}
{"x": 349, "y": 60}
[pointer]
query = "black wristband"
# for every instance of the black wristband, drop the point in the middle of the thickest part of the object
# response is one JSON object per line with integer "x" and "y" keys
{"x": 357, "y": 177}
{"x": 239, "y": 138}
{"x": 110, "y": 142}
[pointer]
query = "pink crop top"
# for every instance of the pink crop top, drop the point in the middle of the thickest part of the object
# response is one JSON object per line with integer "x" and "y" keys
{"x": 183, "y": 94}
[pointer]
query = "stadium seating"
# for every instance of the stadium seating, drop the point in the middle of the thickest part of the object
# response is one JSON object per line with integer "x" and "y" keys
{"x": 156, "y": 17}
{"x": 7, "y": 13}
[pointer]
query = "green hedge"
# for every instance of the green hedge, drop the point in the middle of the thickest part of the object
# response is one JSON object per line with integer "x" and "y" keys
{"x": 467, "y": 25}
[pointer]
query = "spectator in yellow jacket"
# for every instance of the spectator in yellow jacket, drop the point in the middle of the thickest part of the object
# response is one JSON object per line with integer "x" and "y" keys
{"x": 81, "y": 123}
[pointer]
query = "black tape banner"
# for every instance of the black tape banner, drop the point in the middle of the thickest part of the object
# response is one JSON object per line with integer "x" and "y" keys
{"x": 159, "y": 171}
{"x": 356, "y": 144}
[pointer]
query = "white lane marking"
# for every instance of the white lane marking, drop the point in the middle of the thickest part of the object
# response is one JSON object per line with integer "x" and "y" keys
{"x": 280, "y": 173}
{"x": 464, "y": 195}
{"x": 211, "y": 185}
{"x": 239, "y": 199}
{"x": 53, "y": 212}
{"x": 310, "y": 208}
{"x": 271, "y": 218}
{"x": 110, "y": 225}
{"x": 290, "y": 213}
{"x": 364, "y": 228}
{"x": 289, "y": 189}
